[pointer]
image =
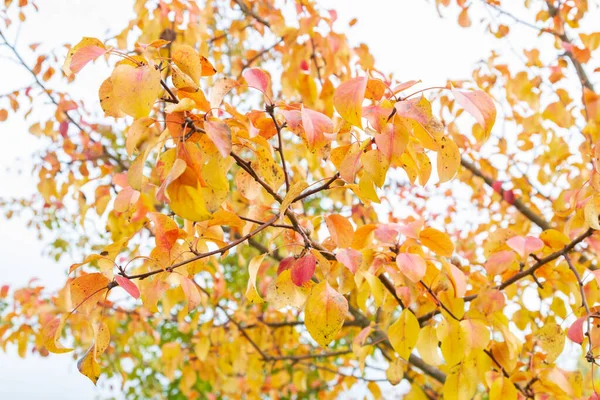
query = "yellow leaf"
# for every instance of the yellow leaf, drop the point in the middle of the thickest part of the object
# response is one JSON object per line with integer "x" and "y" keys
{"x": 108, "y": 101}
{"x": 461, "y": 383}
{"x": 404, "y": 333}
{"x": 554, "y": 239}
{"x": 325, "y": 313}
{"x": 477, "y": 334}
{"x": 188, "y": 61}
{"x": 187, "y": 202}
{"x": 424, "y": 170}
{"x": 282, "y": 292}
{"x": 427, "y": 345}
{"x": 503, "y": 389}
{"x": 376, "y": 164}
{"x": 51, "y": 334}
{"x": 252, "y": 292}
{"x": 395, "y": 371}
{"x": 448, "y": 159}
{"x": 437, "y": 241}
{"x": 453, "y": 346}
{"x": 294, "y": 192}
{"x": 88, "y": 364}
{"x": 136, "y": 88}
{"x": 592, "y": 211}
{"x": 192, "y": 294}
{"x": 551, "y": 338}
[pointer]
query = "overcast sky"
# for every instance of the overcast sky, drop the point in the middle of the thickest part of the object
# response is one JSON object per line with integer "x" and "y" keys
{"x": 407, "y": 37}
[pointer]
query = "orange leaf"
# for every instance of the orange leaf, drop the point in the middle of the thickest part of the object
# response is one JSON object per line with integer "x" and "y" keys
{"x": 341, "y": 230}
{"x": 88, "y": 290}
{"x": 166, "y": 231}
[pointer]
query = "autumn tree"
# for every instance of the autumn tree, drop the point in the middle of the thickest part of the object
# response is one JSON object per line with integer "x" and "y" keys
{"x": 261, "y": 211}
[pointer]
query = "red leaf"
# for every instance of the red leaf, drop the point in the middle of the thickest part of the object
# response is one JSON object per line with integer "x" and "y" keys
{"x": 303, "y": 269}
{"x": 304, "y": 65}
{"x": 285, "y": 264}
{"x": 128, "y": 286}
{"x": 575, "y": 332}
{"x": 509, "y": 196}
{"x": 497, "y": 186}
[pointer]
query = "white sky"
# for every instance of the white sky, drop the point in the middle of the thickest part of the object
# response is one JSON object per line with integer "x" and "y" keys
{"x": 406, "y": 37}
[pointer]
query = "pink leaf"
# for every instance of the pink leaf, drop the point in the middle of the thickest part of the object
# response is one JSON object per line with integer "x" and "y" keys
{"x": 88, "y": 49}
{"x": 524, "y": 246}
{"x": 499, "y": 262}
{"x": 293, "y": 118}
{"x": 350, "y": 258}
{"x": 258, "y": 79}
{"x": 318, "y": 128}
{"x": 387, "y": 233}
{"x": 480, "y": 105}
{"x": 413, "y": 266}
{"x": 348, "y": 98}
{"x": 403, "y": 86}
{"x": 128, "y": 286}
{"x": 459, "y": 279}
{"x": 220, "y": 134}
{"x": 575, "y": 332}
{"x": 303, "y": 269}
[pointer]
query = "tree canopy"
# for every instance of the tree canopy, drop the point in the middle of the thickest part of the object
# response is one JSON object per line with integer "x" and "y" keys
{"x": 262, "y": 211}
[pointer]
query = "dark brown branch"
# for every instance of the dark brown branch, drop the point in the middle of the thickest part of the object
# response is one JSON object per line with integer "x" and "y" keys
{"x": 318, "y": 189}
{"x": 270, "y": 108}
{"x": 519, "y": 205}
{"x": 261, "y": 53}
{"x": 309, "y": 356}
{"x": 204, "y": 255}
{"x": 246, "y": 10}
